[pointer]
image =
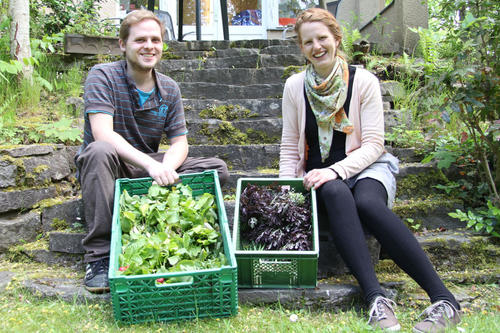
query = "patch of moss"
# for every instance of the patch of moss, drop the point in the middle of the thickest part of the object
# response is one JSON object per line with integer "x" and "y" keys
{"x": 290, "y": 70}
{"x": 46, "y": 203}
{"x": 418, "y": 185}
{"x": 167, "y": 55}
{"x": 40, "y": 168}
{"x": 261, "y": 137}
{"x": 475, "y": 253}
{"x": 227, "y": 112}
{"x": 422, "y": 206}
{"x": 59, "y": 224}
{"x": 268, "y": 171}
{"x": 225, "y": 134}
{"x": 20, "y": 252}
{"x": 9, "y": 146}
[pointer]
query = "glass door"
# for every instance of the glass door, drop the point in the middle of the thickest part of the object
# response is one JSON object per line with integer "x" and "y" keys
{"x": 247, "y": 19}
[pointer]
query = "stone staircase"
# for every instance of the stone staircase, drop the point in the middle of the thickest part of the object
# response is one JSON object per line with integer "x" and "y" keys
{"x": 231, "y": 93}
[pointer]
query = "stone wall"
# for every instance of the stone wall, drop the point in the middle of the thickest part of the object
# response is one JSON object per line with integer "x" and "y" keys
{"x": 38, "y": 192}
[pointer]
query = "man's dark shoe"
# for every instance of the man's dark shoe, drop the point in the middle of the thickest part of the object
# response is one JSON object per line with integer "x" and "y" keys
{"x": 439, "y": 316}
{"x": 96, "y": 276}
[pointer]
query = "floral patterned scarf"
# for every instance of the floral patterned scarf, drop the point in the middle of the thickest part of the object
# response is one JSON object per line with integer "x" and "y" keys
{"x": 327, "y": 99}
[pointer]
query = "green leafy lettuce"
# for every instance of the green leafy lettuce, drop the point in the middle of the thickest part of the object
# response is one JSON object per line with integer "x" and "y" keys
{"x": 167, "y": 230}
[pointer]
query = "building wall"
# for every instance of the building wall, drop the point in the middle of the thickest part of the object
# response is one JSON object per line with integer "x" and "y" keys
{"x": 109, "y": 8}
{"x": 390, "y": 31}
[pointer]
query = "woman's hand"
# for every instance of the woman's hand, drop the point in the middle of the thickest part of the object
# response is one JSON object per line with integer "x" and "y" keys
{"x": 316, "y": 177}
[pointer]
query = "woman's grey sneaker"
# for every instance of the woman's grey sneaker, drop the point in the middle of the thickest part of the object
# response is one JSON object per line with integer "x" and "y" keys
{"x": 96, "y": 276}
{"x": 382, "y": 314}
{"x": 439, "y": 316}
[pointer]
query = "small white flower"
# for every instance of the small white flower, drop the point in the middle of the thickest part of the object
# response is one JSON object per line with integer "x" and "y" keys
{"x": 293, "y": 318}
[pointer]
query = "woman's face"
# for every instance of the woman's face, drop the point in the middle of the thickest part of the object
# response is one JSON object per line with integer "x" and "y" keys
{"x": 319, "y": 46}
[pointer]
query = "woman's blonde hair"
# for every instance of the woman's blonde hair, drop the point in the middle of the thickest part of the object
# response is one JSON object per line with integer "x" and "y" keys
{"x": 135, "y": 17}
{"x": 318, "y": 15}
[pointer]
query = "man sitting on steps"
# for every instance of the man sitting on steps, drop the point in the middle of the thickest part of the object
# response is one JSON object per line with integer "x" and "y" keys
{"x": 128, "y": 106}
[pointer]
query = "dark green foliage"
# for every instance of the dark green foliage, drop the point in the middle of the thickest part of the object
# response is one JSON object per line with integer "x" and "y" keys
{"x": 469, "y": 88}
{"x": 276, "y": 218}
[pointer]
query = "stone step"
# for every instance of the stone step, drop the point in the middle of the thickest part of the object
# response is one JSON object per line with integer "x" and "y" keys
{"x": 277, "y": 60}
{"x": 253, "y": 60}
{"x": 242, "y": 130}
{"x": 231, "y": 52}
{"x": 222, "y": 91}
{"x": 241, "y": 157}
{"x": 407, "y": 155}
{"x": 429, "y": 213}
{"x": 214, "y": 53}
{"x": 252, "y": 157}
{"x": 166, "y": 66}
{"x": 281, "y": 49}
{"x": 210, "y": 45}
{"x": 235, "y": 76}
{"x": 247, "y": 131}
{"x": 232, "y": 108}
{"x": 460, "y": 250}
{"x": 66, "y": 242}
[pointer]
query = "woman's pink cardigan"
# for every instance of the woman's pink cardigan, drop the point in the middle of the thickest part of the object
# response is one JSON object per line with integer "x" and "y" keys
{"x": 363, "y": 147}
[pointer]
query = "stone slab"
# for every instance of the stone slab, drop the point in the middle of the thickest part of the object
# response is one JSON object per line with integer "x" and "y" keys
{"x": 394, "y": 89}
{"x": 28, "y": 150}
{"x": 70, "y": 211}
{"x": 208, "y": 131}
{"x": 281, "y": 49}
{"x": 8, "y": 173}
{"x": 281, "y": 60}
{"x": 24, "y": 199}
{"x": 66, "y": 242}
{"x": 74, "y": 261}
{"x": 222, "y": 91}
{"x": 239, "y": 157}
{"x": 19, "y": 228}
{"x": 248, "y": 61}
{"x": 230, "y": 75}
{"x": 68, "y": 290}
{"x": 325, "y": 297}
{"x": 5, "y": 278}
{"x": 47, "y": 168}
{"x": 81, "y": 44}
{"x": 451, "y": 250}
{"x": 270, "y": 107}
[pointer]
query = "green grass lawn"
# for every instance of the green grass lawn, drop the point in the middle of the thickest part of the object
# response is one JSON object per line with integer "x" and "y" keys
{"x": 21, "y": 311}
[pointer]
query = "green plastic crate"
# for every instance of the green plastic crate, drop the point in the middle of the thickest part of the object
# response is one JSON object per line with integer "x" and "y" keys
{"x": 211, "y": 292}
{"x": 276, "y": 269}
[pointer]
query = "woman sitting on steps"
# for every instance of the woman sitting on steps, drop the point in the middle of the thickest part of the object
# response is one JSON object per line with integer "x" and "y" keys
{"x": 333, "y": 136}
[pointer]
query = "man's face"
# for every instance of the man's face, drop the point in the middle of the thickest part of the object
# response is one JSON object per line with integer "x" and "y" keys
{"x": 144, "y": 45}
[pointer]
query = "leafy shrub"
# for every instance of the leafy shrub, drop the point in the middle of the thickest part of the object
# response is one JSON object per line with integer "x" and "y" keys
{"x": 486, "y": 220}
{"x": 471, "y": 85}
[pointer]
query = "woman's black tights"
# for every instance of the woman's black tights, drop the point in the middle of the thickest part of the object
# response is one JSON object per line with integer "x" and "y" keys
{"x": 366, "y": 205}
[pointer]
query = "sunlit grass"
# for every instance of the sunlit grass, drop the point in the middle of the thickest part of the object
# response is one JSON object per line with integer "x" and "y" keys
{"x": 22, "y": 311}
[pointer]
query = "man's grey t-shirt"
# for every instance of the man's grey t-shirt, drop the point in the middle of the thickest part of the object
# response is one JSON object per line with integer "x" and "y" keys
{"x": 108, "y": 89}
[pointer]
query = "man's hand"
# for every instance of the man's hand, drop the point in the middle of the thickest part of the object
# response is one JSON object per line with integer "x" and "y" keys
{"x": 162, "y": 174}
{"x": 317, "y": 177}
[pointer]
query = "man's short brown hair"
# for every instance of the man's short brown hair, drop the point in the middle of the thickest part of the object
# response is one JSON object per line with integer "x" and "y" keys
{"x": 135, "y": 17}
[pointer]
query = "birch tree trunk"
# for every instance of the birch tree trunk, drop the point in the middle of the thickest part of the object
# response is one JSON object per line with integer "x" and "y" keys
{"x": 20, "y": 34}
